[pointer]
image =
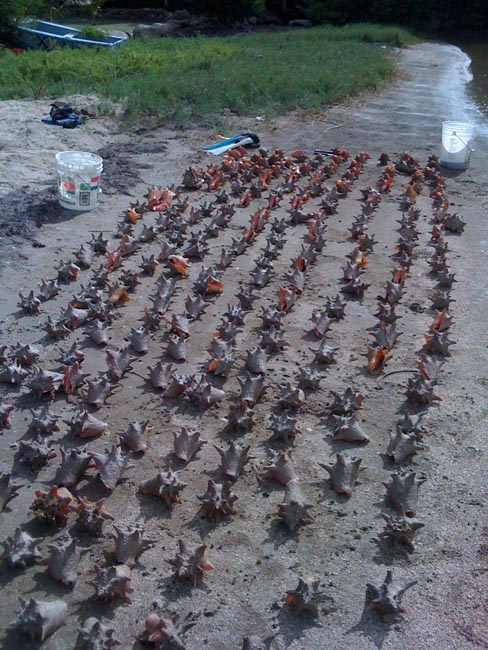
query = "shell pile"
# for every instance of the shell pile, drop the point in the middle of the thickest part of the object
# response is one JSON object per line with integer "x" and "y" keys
{"x": 216, "y": 312}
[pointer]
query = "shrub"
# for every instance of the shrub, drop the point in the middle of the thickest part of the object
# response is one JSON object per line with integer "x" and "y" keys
{"x": 13, "y": 10}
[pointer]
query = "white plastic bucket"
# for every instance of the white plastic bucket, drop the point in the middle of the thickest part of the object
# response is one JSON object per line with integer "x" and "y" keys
{"x": 457, "y": 144}
{"x": 79, "y": 174}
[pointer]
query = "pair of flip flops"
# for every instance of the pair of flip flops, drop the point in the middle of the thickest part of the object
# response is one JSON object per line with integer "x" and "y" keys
{"x": 63, "y": 116}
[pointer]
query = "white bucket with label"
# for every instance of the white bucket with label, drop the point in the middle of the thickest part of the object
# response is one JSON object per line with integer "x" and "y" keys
{"x": 457, "y": 144}
{"x": 79, "y": 174}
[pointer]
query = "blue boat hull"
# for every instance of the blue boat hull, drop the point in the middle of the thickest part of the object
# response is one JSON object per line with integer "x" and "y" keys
{"x": 42, "y": 35}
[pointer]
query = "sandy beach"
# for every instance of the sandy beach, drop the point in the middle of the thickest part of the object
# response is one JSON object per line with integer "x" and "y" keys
{"x": 256, "y": 558}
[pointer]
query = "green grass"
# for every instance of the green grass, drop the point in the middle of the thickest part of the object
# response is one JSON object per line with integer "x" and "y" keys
{"x": 175, "y": 81}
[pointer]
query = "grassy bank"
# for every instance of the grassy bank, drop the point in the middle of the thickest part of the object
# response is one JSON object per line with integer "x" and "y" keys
{"x": 178, "y": 80}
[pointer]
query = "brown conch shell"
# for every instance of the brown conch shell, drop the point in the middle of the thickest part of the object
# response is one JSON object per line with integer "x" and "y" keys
{"x": 97, "y": 392}
{"x": 12, "y": 374}
{"x": 292, "y": 397}
{"x": 117, "y": 294}
{"x": 385, "y": 335}
{"x": 441, "y": 299}
{"x": 218, "y": 500}
{"x": 53, "y": 506}
{"x": 190, "y": 566}
{"x": 98, "y": 332}
{"x": 430, "y": 368}
{"x": 324, "y": 353}
{"x": 294, "y": 509}
{"x": 74, "y": 465}
{"x": 272, "y": 317}
{"x": 110, "y": 466}
{"x": 113, "y": 582}
{"x": 309, "y": 377}
{"x": 221, "y": 365}
{"x": 91, "y": 515}
{"x": 165, "y": 485}
{"x": 130, "y": 544}
{"x": 240, "y": 418}
{"x": 21, "y": 550}
{"x": 355, "y": 288}
{"x": 63, "y": 560}
{"x": 335, "y": 307}
{"x": 280, "y": 469}
{"x": 36, "y": 453}
{"x": 204, "y": 394}
{"x": 453, "y": 223}
{"x": 322, "y": 323}
{"x": 160, "y": 375}
{"x": 8, "y": 490}
{"x": 179, "y": 325}
{"x": 134, "y": 437}
{"x": 176, "y": 348}
{"x": 402, "y": 492}
{"x": 284, "y": 427}
{"x": 39, "y": 619}
{"x": 344, "y": 474}
{"x": 67, "y": 271}
{"x": 73, "y": 378}
{"x": 286, "y": 299}
{"x": 5, "y": 410}
{"x": 99, "y": 244}
{"x": 71, "y": 355}
{"x": 26, "y": 355}
{"x": 47, "y": 289}
{"x": 386, "y": 598}
{"x": 178, "y": 264}
{"x": 401, "y": 531}
{"x": 118, "y": 362}
{"x": 45, "y": 382}
{"x": 84, "y": 255}
{"x": 245, "y": 295}
{"x": 178, "y": 385}
{"x": 162, "y": 633}
{"x": 421, "y": 391}
{"x": 44, "y": 421}
{"x": 74, "y": 317}
{"x": 347, "y": 429}
{"x": 306, "y": 597}
{"x": 187, "y": 443}
{"x": 208, "y": 283}
{"x": 402, "y": 445}
{"x": 437, "y": 343}
{"x": 346, "y": 403}
{"x": 195, "y": 307}
{"x": 252, "y": 388}
{"x": 140, "y": 340}
{"x": 86, "y": 425}
{"x": 256, "y": 361}
{"x": 149, "y": 265}
{"x": 376, "y": 358}
{"x": 234, "y": 458}
{"x": 29, "y": 304}
{"x": 93, "y": 635}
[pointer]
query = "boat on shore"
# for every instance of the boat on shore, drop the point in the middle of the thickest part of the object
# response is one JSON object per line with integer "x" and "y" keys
{"x": 43, "y": 35}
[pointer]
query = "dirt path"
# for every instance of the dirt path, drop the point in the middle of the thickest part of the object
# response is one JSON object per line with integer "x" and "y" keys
{"x": 256, "y": 558}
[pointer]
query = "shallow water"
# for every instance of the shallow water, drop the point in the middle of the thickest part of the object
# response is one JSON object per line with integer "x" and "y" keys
{"x": 477, "y": 87}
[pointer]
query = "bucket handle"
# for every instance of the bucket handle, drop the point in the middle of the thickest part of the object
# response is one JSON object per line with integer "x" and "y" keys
{"x": 85, "y": 180}
{"x": 466, "y": 144}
